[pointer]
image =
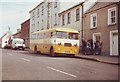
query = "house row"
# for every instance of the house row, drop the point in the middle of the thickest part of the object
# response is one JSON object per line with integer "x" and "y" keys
{"x": 22, "y": 33}
{"x": 99, "y": 23}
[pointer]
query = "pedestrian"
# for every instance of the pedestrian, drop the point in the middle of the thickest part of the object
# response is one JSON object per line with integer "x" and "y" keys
{"x": 91, "y": 44}
{"x": 88, "y": 48}
{"x": 97, "y": 49}
{"x": 83, "y": 46}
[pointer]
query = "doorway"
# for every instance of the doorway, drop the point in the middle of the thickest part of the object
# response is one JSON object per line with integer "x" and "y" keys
{"x": 114, "y": 43}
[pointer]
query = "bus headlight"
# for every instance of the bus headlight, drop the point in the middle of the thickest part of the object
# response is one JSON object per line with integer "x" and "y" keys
{"x": 59, "y": 49}
{"x": 75, "y": 50}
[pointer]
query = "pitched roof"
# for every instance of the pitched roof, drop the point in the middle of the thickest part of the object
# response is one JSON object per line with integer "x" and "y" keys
{"x": 99, "y": 5}
{"x": 77, "y": 4}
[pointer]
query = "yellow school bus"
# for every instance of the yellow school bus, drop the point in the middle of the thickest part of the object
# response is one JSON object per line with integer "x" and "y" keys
{"x": 55, "y": 41}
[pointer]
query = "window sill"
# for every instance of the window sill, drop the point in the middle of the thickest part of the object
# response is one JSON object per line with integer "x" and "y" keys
{"x": 77, "y": 20}
{"x": 55, "y": 24}
{"x": 68, "y": 23}
{"x": 55, "y": 7}
{"x": 111, "y": 24}
{"x": 91, "y": 28}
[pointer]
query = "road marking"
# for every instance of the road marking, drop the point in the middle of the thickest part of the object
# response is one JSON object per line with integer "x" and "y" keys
{"x": 62, "y": 72}
{"x": 25, "y": 59}
{"x": 10, "y": 54}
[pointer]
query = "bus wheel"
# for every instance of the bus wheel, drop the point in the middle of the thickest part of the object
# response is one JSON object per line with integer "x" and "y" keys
{"x": 52, "y": 52}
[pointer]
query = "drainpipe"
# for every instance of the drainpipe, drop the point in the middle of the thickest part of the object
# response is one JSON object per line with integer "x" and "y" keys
{"x": 119, "y": 27}
{"x": 82, "y": 20}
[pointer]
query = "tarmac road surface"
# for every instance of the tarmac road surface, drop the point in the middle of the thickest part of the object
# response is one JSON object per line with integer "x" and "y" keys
{"x": 24, "y": 65}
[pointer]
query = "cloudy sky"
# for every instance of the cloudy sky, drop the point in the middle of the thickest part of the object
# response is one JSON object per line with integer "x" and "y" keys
{"x": 15, "y": 12}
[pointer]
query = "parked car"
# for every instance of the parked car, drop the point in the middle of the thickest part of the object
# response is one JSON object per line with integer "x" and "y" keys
{"x": 18, "y": 43}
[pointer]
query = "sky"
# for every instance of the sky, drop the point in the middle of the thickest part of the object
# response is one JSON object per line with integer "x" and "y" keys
{"x": 15, "y": 12}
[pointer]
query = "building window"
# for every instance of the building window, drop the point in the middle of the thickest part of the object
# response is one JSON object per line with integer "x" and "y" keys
{"x": 42, "y": 10}
{"x": 49, "y": 4}
{"x": 63, "y": 19}
{"x": 33, "y": 16}
{"x": 55, "y": 20}
{"x": 38, "y": 24}
{"x": 112, "y": 16}
{"x": 55, "y": 4}
{"x": 38, "y": 13}
{"x": 77, "y": 14}
{"x": 93, "y": 21}
{"x": 42, "y": 24}
{"x": 69, "y": 17}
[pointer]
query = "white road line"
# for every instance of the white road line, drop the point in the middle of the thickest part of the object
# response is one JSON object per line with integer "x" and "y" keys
{"x": 62, "y": 72}
{"x": 10, "y": 54}
{"x": 25, "y": 59}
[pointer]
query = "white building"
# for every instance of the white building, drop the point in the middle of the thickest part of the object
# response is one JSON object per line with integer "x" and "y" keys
{"x": 44, "y": 16}
{"x": 5, "y": 39}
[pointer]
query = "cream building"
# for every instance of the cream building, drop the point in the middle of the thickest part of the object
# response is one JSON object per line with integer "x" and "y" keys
{"x": 72, "y": 18}
{"x": 44, "y": 16}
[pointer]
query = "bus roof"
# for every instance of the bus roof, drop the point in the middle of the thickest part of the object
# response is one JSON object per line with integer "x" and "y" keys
{"x": 57, "y": 29}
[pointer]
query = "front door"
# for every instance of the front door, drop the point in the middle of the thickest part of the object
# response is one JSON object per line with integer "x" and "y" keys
{"x": 115, "y": 44}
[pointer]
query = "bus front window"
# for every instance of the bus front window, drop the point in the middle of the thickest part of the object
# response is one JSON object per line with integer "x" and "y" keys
{"x": 73, "y": 36}
{"x": 62, "y": 35}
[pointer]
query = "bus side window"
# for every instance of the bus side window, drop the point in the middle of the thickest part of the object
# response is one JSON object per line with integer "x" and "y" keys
{"x": 34, "y": 36}
{"x": 44, "y": 36}
{"x": 39, "y": 36}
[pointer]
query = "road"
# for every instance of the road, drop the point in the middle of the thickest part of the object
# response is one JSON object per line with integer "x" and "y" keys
{"x": 24, "y": 65}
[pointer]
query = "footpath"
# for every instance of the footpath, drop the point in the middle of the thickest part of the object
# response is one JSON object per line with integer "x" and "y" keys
{"x": 101, "y": 58}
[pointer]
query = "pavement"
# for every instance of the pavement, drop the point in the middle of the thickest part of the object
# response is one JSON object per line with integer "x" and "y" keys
{"x": 101, "y": 58}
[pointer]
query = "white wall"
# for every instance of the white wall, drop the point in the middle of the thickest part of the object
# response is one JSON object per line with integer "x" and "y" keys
{"x": 5, "y": 38}
{"x": 44, "y": 17}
